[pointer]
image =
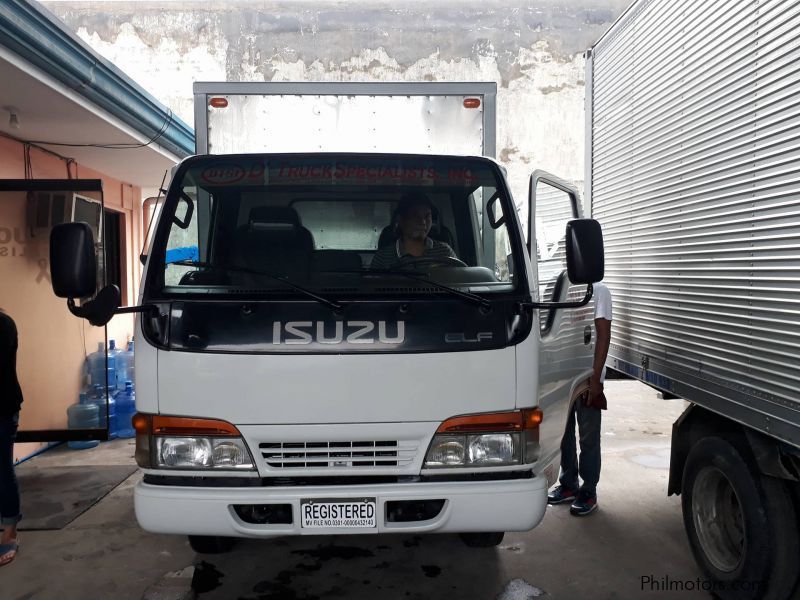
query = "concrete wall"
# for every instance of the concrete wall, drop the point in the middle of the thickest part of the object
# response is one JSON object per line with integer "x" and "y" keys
{"x": 534, "y": 51}
{"x": 52, "y": 342}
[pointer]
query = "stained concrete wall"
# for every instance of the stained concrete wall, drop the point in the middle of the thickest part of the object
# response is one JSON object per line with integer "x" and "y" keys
{"x": 533, "y": 51}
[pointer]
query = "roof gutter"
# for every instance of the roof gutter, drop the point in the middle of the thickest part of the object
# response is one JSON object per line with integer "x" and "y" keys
{"x": 36, "y": 35}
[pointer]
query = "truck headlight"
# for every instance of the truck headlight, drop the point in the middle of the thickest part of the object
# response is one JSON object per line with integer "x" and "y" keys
{"x": 201, "y": 453}
{"x": 446, "y": 451}
{"x": 188, "y": 443}
{"x": 493, "y": 449}
{"x": 486, "y": 440}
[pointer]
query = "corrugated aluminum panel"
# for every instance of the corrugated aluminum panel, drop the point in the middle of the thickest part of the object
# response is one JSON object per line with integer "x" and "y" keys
{"x": 695, "y": 178}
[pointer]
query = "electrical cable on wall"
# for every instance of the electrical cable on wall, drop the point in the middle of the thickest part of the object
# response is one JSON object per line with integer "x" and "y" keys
{"x": 38, "y": 144}
{"x": 26, "y": 156}
{"x": 120, "y": 146}
{"x": 26, "y": 161}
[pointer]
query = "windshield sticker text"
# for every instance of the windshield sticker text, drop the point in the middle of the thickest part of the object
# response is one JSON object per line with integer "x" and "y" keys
{"x": 229, "y": 174}
{"x": 351, "y": 173}
{"x": 368, "y": 174}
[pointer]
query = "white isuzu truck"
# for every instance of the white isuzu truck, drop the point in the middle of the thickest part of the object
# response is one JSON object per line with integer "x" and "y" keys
{"x": 693, "y": 163}
{"x": 287, "y": 386}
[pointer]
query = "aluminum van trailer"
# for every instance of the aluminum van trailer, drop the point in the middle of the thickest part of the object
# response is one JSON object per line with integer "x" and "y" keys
{"x": 693, "y": 170}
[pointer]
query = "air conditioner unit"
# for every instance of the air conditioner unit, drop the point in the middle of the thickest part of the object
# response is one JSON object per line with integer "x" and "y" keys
{"x": 48, "y": 209}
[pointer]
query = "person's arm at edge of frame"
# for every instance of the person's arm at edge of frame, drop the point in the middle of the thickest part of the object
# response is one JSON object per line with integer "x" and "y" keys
{"x": 8, "y": 348}
{"x": 603, "y": 329}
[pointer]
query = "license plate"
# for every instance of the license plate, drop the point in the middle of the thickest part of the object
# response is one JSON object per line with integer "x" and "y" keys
{"x": 327, "y": 513}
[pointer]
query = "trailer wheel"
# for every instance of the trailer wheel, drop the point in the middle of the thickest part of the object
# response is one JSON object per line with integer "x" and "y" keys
{"x": 211, "y": 544}
{"x": 741, "y": 524}
{"x": 484, "y": 539}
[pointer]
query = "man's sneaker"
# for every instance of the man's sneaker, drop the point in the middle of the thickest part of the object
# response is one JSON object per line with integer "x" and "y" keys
{"x": 560, "y": 495}
{"x": 584, "y": 504}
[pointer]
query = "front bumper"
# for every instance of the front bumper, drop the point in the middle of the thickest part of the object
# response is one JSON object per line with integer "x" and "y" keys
{"x": 506, "y": 505}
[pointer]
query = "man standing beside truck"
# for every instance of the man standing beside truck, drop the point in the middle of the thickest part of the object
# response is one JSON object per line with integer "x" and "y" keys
{"x": 587, "y": 412}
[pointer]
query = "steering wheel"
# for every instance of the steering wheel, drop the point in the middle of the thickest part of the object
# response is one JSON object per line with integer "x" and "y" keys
{"x": 438, "y": 261}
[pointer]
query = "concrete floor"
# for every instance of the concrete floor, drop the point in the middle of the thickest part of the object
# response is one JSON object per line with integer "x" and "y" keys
{"x": 637, "y": 532}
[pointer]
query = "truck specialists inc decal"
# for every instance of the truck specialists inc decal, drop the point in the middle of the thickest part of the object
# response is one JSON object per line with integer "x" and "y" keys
{"x": 335, "y": 172}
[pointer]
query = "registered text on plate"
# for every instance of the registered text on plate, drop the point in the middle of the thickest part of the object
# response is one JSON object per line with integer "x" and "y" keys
{"x": 338, "y": 513}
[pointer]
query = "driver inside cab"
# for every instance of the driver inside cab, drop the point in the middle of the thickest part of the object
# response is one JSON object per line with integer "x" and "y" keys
{"x": 412, "y": 224}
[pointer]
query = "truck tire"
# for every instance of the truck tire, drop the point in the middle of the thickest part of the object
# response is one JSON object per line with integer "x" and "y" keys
{"x": 483, "y": 539}
{"x": 211, "y": 544}
{"x": 741, "y": 524}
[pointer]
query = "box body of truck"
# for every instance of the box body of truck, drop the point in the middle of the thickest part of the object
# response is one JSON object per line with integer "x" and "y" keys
{"x": 426, "y": 118}
{"x": 693, "y": 167}
{"x": 294, "y": 388}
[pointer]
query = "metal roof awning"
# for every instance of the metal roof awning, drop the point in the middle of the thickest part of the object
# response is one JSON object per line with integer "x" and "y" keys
{"x": 72, "y": 101}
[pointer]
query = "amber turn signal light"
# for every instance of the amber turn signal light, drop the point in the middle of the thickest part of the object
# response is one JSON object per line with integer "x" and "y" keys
{"x": 141, "y": 423}
{"x": 515, "y": 420}
{"x": 189, "y": 426}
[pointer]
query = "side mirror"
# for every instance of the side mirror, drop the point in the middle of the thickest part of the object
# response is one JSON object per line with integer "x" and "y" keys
{"x": 100, "y": 309}
{"x": 585, "y": 254}
{"x": 73, "y": 268}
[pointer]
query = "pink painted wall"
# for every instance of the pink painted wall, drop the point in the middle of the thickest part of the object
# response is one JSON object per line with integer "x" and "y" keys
{"x": 52, "y": 342}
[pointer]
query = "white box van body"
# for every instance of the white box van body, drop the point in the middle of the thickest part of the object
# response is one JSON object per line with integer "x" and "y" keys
{"x": 692, "y": 163}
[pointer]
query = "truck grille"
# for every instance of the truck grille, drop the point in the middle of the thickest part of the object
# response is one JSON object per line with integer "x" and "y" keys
{"x": 312, "y": 455}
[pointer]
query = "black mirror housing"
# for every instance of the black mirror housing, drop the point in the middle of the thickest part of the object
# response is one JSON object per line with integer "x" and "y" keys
{"x": 73, "y": 267}
{"x": 100, "y": 309}
{"x": 585, "y": 253}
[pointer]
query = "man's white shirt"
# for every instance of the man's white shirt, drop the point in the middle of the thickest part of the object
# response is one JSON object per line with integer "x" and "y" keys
{"x": 602, "y": 310}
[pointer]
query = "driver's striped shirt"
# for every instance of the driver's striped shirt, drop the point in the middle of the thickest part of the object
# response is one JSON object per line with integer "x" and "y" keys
{"x": 392, "y": 255}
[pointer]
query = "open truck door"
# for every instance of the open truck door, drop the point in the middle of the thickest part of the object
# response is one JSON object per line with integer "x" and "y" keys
{"x": 53, "y": 346}
{"x": 567, "y": 257}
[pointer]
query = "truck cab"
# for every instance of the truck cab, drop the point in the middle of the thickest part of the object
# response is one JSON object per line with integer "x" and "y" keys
{"x": 301, "y": 371}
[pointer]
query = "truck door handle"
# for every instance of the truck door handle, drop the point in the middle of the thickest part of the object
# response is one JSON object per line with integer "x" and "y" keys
{"x": 587, "y": 334}
{"x": 194, "y": 340}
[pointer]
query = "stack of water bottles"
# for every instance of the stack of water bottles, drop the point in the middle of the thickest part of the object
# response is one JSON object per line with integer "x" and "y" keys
{"x": 117, "y": 372}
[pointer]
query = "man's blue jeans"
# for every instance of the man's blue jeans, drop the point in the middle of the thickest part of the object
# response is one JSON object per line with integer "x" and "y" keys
{"x": 9, "y": 491}
{"x": 588, "y": 467}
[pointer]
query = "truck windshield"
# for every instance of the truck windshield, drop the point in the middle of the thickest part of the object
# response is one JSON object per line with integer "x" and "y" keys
{"x": 337, "y": 226}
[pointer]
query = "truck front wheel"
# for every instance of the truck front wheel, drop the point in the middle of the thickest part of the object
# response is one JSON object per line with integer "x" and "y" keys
{"x": 741, "y": 524}
{"x": 211, "y": 544}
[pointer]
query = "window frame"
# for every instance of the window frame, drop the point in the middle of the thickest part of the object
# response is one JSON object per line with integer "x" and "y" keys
{"x": 153, "y": 284}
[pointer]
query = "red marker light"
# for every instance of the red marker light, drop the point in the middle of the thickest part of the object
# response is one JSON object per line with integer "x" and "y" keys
{"x": 472, "y": 102}
{"x": 218, "y": 102}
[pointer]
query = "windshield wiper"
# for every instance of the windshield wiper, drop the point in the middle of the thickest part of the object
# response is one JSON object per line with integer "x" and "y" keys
{"x": 475, "y": 299}
{"x": 230, "y": 268}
